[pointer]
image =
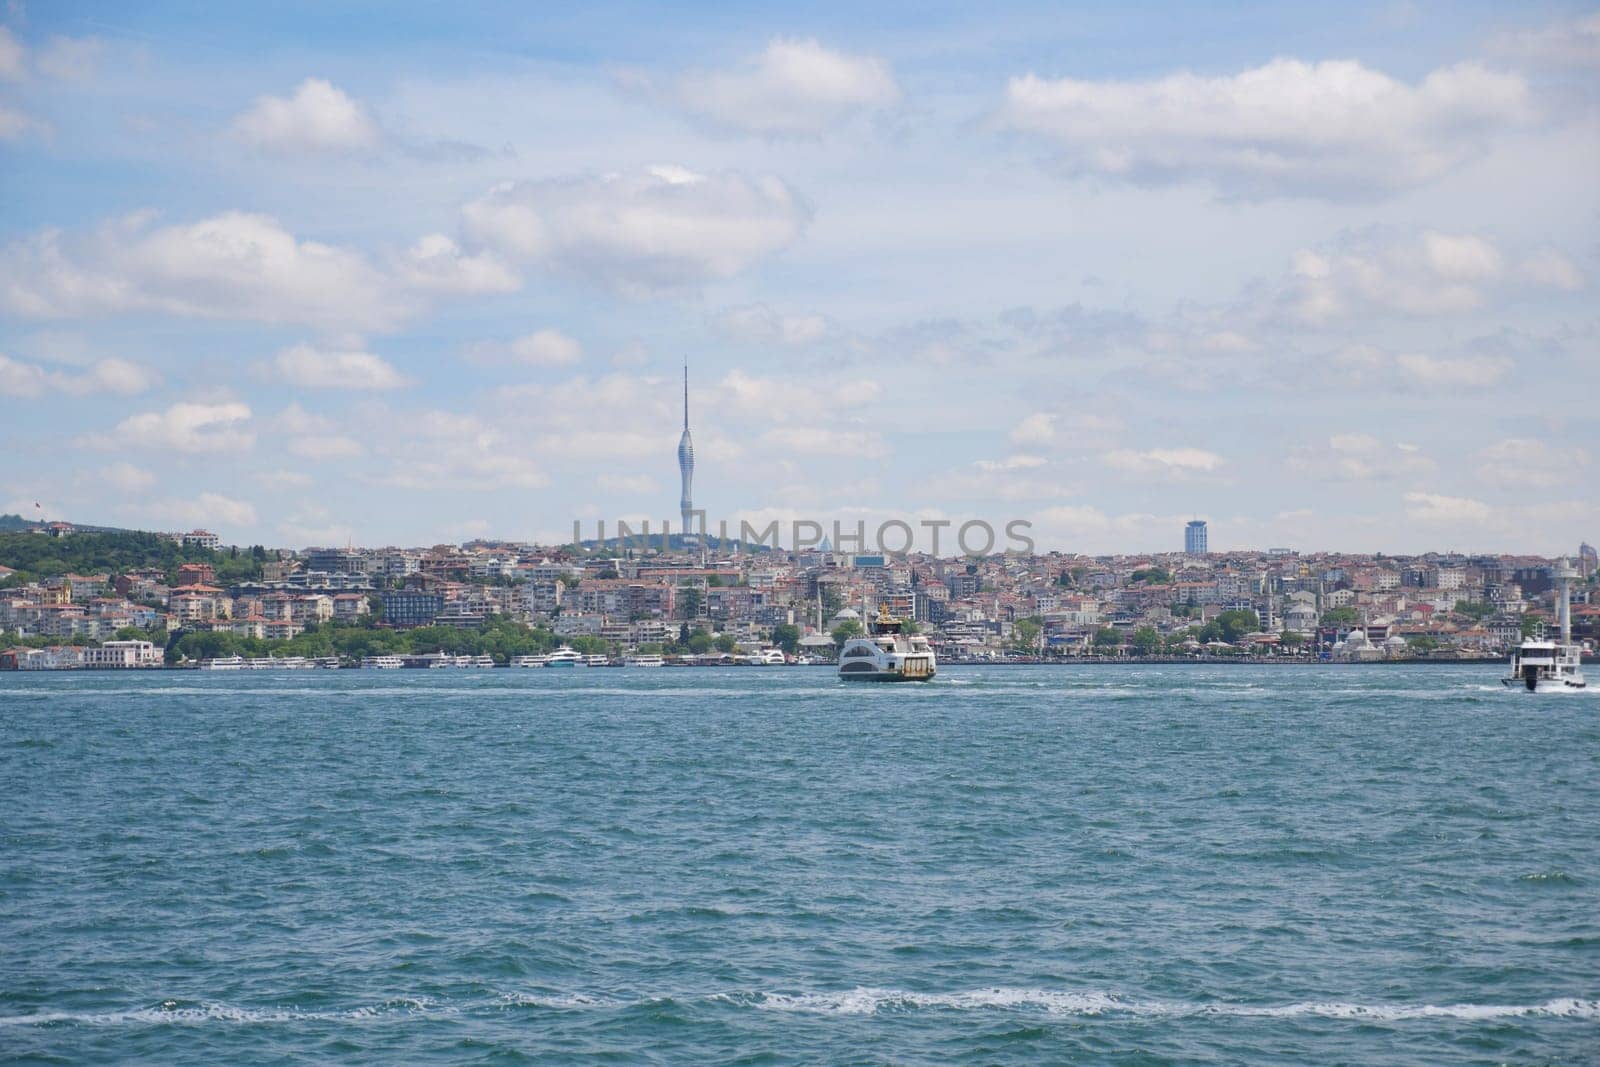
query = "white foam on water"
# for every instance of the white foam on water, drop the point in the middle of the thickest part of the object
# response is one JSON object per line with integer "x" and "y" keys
{"x": 869, "y": 1001}
{"x": 860, "y": 1001}
{"x": 171, "y": 1015}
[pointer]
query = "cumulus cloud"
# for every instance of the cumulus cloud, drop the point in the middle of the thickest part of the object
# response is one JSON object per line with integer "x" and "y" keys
{"x": 319, "y": 117}
{"x": 793, "y": 88}
{"x": 1462, "y": 372}
{"x": 13, "y": 57}
{"x": 229, "y": 266}
{"x": 1051, "y": 428}
{"x": 208, "y": 510}
{"x": 14, "y": 124}
{"x": 819, "y": 441}
{"x": 1432, "y": 507}
{"x": 312, "y": 367}
{"x": 1358, "y": 457}
{"x": 766, "y": 400}
{"x": 314, "y": 437}
{"x": 1525, "y": 461}
{"x": 643, "y": 232}
{"x": 438, "y": 264}
{"x": 759, "y": 323}
{"x": 104, "y": 376}
{"x": 546, "y": 348}
{"x": 448, "y": 450}
{"x": 1288, "y": 127}
{"x": 70, "y": 58}
{"x": 1570, "y": 43}
{"x": 1164, "y": 463}
{"x": 126, "y": 478}
{"x": 1421, "y": 274}
{"x": 184, "y": 427}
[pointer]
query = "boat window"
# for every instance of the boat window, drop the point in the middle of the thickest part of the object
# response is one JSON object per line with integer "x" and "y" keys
{"x": 859, "y": 650}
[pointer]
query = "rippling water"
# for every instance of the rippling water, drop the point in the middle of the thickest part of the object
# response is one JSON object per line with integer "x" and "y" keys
{"x": 1123, "y": 864}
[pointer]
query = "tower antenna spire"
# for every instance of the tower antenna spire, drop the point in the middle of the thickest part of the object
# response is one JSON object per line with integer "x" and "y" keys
{"x": 685, "y": 392}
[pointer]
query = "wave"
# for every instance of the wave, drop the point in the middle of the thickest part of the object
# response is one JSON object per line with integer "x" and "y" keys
{"x": 868, "y": 1001}
{"x": 860, "y": 1001}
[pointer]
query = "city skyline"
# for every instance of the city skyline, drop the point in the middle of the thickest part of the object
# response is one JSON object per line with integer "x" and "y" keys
{"x": 436, "y": 282}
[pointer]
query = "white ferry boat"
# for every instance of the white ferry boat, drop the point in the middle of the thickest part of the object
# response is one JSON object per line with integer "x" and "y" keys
{"x": 383, "y": 663}
{"x": 564, "y": 657}
{"x": 477, "y": 662}
{"x": 766, "y": 657}
{"x": 643, "y": 659}
{"x": 223, "y": 663}
{"x": 527, "y": 661}
{"x": 887, "y": 654}
{"x": 1541, "y": 665}
{"x": 596, "y": 660}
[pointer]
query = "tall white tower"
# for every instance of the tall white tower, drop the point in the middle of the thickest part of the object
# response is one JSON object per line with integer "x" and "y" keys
{"x": 686, "y": 464}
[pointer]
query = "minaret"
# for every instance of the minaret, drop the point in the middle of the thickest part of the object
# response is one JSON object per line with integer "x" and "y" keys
{"x": 686, "y": 463}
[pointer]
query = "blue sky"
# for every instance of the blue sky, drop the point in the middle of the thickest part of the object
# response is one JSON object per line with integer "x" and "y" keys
{"x": 316, "y": 273}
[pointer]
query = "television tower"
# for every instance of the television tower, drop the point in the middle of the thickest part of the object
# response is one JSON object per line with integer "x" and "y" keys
{"x": 686, "y": 469}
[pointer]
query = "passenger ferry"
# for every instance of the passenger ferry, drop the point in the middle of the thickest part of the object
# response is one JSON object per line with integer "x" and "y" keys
{"x": 383, "y": 663}
{"x": 643, "y": 659}
{"x": 1540, "y": 665}
{"x": 223, "y": 663}
{"x": 564, "y": 657}
{"x": 596, "y": 660}
{"x": 528, "y": 660}
{"x": 887, "y": 653}
{"x": 766, "y": 657}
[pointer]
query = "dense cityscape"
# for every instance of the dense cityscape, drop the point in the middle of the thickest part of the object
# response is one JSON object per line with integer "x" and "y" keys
{"x": 180, "y": 599}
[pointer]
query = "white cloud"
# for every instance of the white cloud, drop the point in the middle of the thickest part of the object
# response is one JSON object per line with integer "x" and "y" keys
{"x": 325, "y": 447}
{"x": 1164, "y": 463}
{"x": 13, "y": 57}
{"x": 767, "y": 400}
{"x": 1358, "y": 457}
{"x": 447, "y": 450}
{"x": 644, "y": 232}
{"x": 208, "y": 510}
{"x": 1049, "y": 428}
{"x": 1520, "y": 462}
{"x": 546, "y": 348}
{"x": 70, "y": 58}
{"x": 1572, "y": 43}
{"x": 126, "y": 478}
{"x": 818, "y": 441}
{"x": 1293, "y": 127}
{"x": 794, "y": 88}
{"x": 639, "y": 484}
{"x": 438, "y": 264}
{"x": 315, "y": 368}
{"x": 319, "y": 117}
{"x": 1464, "y": 372}
{"x": 284, "y": 479}
{"x": 1424, "y": 274}
{"x": 184, "y": 427}
{"x": 13, "y": 123}
{"x": 229, "y": 266}
{"x": 759, "y": 323}
{"x": 112, "y": 376}
{"x": 1432, "y": 507}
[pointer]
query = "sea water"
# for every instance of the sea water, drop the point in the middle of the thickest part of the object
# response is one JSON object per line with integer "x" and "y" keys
{"x": 1127, "y": 865}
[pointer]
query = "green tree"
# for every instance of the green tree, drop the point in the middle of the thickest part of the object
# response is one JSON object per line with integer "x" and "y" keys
{"x": 1423, "y": 643}
{"x": 845, "y": 631}
{"x": 690, "y": 599}
{"x": 1153, "y": 575}
{"x": 725, "y": 643}
{"x": 1291, "y": 639}
{"x": 1476, "y": 610}
{"x": 787, "y": 637}
{"x": 1107, "y": 637}
{"x": 1346, "y": 616}
{"x": 699, "y": 642}
{"x": 1025, "y": 635}
{"x": 1147, "y": 641}
{"x": 1235, "y": 624}
{"x": 1531, "y": 625}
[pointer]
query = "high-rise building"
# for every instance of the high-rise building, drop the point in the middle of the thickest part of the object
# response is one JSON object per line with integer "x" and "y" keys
{"x": 686, "y": 465}
{"x": 1588, "y": 559}
{"x": 1194, "y": 538}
